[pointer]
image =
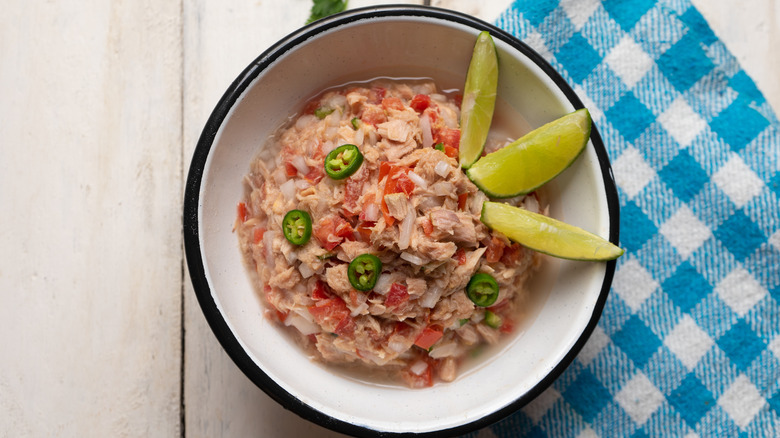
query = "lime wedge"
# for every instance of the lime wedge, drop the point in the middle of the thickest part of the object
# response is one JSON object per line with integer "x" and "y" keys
{"x": 479, "y": 100}
{"x": 547, "y": 235}
{"x": 537, "y": 157}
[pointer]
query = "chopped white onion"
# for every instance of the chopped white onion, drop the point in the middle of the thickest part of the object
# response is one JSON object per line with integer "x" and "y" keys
{"x": 302, "y": 184}
{"x": 371, "y": 212}
{"x": 305, "y": 120}
{"x": 359, "y": 136}
{"x": 442, "y": 168}
{"x": 268, "y": 247}
{"x": 291, "y": 256}
{"x": 327, "y": 147}
{"x": 383, "y": 284}
{"x": 303, "y": 325}
{"x": 397, "y": 346}
{"x": 425, "y": 127}
{"x": 300, "y": 163}
{"x": 305, "y": 270}
{"x": 417, "y": 179}
{"x": 411, "y": 258}
{"x": 405, "y": 229}
{"x": 531, "y": 203}
{"x": 288, "y": 189}
{"x": 359, "y": 309}
{"x": 431, "y": 296}
{"x": 279, "y": 176}
{"x": 448, "y": 349}
{"x": 418, "y": 367}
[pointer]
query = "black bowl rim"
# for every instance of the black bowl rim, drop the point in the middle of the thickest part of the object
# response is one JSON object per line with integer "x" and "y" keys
{"x": 192, "y": 201}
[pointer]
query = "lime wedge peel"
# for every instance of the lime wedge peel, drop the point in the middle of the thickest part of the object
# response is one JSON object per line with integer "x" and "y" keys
{"x": 531, "y": 161}
{"x": 547, "y": 235}
{"x": 479, "y": 99}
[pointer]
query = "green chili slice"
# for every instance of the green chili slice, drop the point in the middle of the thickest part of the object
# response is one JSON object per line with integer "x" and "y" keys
{"x": 439, "y": 147}
{"x": 322, "y": 112}
{"x": 363, "y": 272}
{"x": 297, "y": 227}
{"x": 482, "y": 289}
{"x": 492, "y": 320}
{"x": 343, "y": 161}
{"x": 355, "y": 123}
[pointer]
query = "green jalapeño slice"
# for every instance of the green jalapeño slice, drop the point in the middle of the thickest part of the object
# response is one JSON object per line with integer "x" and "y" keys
{"x": 363, "y": 272}
{"x": 343, "y": 161}
{"x": 482, "y": 289}
{"x": 297, "y": 227}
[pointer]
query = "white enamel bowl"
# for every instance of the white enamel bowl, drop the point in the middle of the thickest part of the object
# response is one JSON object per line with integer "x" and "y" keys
{"x": 358, "y": 45}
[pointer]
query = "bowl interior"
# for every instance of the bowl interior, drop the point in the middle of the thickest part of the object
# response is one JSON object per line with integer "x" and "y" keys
{"x": 360, "y": 48}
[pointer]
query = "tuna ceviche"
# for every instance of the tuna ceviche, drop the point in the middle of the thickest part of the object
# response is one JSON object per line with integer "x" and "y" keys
{"x": 366, "y": 239}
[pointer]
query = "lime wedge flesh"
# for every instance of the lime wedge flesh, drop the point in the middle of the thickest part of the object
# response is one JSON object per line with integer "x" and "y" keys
{"x": 479, "y": 100}
{"x": 539, "y": 156}
{"x": 546, "y": 235}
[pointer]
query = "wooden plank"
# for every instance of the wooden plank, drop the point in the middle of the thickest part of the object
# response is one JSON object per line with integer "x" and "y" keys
{"x": 219, "y": 42}
{"x": 90, "y": 267}
{"x": 751, "y": 31}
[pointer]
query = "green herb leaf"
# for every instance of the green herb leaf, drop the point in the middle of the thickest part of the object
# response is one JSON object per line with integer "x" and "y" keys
{"x": 323, "y": 8}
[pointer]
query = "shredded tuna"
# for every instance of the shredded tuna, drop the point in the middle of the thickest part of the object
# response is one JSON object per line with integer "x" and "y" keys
{"x": 410, "y": 205}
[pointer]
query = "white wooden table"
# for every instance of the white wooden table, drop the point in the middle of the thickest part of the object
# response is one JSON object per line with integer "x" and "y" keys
{"x": 101, "y": 104}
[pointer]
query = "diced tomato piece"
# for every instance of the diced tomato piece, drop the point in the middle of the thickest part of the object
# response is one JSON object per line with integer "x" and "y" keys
{"x": 404, "y": 184}
{"x": 512, "y": 254}
{"x": 495, "y": 249}
{"x": 397, "y": 296}
{"x": 420, "y": 102}
{"x": 460, "y": 256}
{"x": 450, "y": 137}
{"x": 258, "y": 234}
{"x": 281, "y": 315}
{"x": 346, "y": 326}
{"x": 353, "y": 188}
{"x": 508, "y": 326}
{"x": 320, "y": 291}
{"x": 376, "y": 95}
{"x": 364, "y": 229}
{"x": 450, "y": 152}
{"x": 315, "y": 174}
{"x": 429, "y": 336}
{"x": 289, "y": 169}
{"x": 389, "y": 220}
{"x": 427, "y": 226}
{"x": 433, "y": 115}
{"x": 333, "y": 313}
{"x": 403, "y": 329}
{"x": 344, "y": 230}
{"x": 395, "y": 103}
{"x": 462, "y": 198}
{"x": 397, "y": 182}
{"x": 242, "y": 212}
{"x": 384, "y": 169}
{"x": 458, "y": 99}
{"x": 332, "y": 230}
{"x": 373, "y": 115}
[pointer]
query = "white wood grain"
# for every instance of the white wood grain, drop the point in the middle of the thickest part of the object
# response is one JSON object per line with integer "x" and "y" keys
{"x": 751, "y": 31}
{"x": 90, "y": 267}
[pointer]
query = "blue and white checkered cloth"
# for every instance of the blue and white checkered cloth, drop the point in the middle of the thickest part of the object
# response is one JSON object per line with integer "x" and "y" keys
{"x": 689, "y": 341}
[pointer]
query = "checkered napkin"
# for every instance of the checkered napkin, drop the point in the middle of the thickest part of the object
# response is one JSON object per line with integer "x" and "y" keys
{"x": 689, "y": 341}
